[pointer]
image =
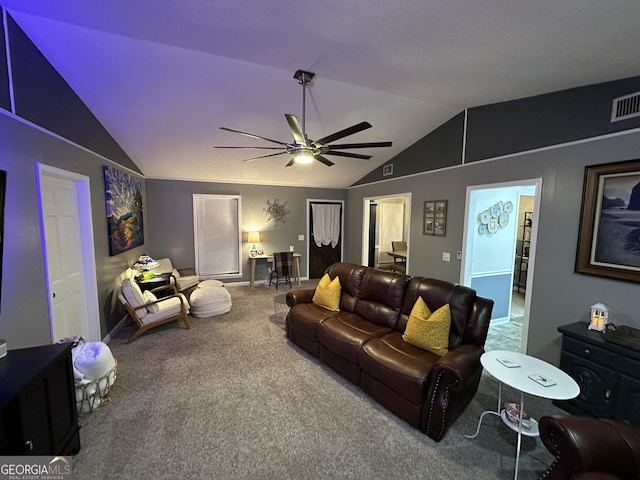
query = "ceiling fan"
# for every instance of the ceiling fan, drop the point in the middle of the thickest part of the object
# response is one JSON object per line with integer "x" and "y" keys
{"x": 305, "y": 150}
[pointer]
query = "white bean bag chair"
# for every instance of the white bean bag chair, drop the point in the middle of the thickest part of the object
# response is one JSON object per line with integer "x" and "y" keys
{"x": 210, "y": 301}
{"x": 210, "y": 283}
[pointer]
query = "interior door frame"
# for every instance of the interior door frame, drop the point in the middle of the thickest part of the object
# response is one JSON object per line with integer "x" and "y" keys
{"x": 308, "y": 229}
{"x": 537, "y": 183}
{"x": 87, "y": 251}
{"x": 366, "y": 203}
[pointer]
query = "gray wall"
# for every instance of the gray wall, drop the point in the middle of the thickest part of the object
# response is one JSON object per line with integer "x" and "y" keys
{"x": 170, "y": 219}
{"x": 24, "y": 316}
{"x": 558, "y": 295}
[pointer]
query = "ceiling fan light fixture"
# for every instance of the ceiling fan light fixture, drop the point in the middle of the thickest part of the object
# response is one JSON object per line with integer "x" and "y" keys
{"x": 303, "y": 157}
{"x": 304, "y": 150}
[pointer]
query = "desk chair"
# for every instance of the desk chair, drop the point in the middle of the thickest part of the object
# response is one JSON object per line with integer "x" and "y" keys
{"x": 399, "y": 261}
{"x": 282, "y": 267}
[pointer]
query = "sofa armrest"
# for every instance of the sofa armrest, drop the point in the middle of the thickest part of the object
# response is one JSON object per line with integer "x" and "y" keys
{"x": 300, "y": 296}
{"x": 585, "y": 444}
{"x": 462, "y": 362}
{"x": 453, "y": 383}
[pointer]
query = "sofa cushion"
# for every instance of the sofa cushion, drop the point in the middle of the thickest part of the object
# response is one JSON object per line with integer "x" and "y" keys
{"x": 304, "y": 318}
{"x": 328, "y": 293}
{"x": 429, "y": 331}
{"x": 402, "y": 367}
{"x": 345, "y": 334}
{"x": 380, "y": 296}
{"x": 350, "y": 279}
{"x": 437, "y": 293}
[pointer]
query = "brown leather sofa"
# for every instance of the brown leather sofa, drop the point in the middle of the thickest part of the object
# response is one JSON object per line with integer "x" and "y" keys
{"x": 588, "y": 448}
{"x": 363, "y": 342}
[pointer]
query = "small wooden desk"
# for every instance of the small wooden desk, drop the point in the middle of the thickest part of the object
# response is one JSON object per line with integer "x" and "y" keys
{"x": 269, "y": 258}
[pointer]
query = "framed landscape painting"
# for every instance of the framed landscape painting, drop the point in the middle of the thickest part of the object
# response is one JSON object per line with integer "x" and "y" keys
{"x": 123, "y": 194}
{"x": 609, "y": 235}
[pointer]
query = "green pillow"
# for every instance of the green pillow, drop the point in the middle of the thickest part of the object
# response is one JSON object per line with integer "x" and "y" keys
{"x": 328, "y": 293}
{"x": 429, "y": 331}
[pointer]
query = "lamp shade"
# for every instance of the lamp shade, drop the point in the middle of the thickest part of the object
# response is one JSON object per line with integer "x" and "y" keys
{"x": 253, "y": 237}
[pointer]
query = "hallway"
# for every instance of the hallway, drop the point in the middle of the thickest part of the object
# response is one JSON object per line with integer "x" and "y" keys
{"x": 508, "y": 336}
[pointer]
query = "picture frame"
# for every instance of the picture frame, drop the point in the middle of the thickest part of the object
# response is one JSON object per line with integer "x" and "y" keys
{"x": 435, "y": 218}
{"x": 609, "y": 233}
{"x": 123, "y": 194}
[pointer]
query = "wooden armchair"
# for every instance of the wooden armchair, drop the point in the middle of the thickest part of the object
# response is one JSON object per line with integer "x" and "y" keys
{"x": 147, "y": 311}
{"x": 185, "y": 279}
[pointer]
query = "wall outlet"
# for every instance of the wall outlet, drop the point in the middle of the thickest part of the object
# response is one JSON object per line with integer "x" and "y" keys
{"x": 446, "y": 256}
{"x": 301, "y": 238}
{"x": 459, "y": 255}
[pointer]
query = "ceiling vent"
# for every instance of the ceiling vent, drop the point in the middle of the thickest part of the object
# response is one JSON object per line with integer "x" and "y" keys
{"x": 626, "y": 107}
{"x": 387, "y": 170}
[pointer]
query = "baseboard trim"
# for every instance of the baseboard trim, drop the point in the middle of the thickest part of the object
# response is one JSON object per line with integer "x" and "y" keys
{"x": 109, "y": 336}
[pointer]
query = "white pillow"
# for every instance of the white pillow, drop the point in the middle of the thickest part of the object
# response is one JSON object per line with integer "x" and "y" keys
{"x": 133, "y": 296}
{"x": 150, "y": 297}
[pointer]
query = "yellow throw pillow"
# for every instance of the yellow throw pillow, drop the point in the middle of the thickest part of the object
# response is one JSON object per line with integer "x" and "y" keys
{"x": 429, "y": 331}
{"x": 328, "y": 293}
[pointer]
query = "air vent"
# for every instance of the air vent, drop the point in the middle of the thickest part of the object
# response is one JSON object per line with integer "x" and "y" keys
{"x": 387, "y": 170}
{"x": 626, "y": 107}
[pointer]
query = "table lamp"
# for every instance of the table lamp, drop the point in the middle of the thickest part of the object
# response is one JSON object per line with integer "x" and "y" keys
{"x": 599, "y": 317}
{"x": 253, "y": 237}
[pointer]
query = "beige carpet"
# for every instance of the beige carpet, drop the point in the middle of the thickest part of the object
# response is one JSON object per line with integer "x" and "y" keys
{"x": 233, "y": 399}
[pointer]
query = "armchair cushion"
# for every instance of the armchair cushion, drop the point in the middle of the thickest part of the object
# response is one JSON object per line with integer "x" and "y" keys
{"x": 133, "y": 296}
{"x": 150, "y": 297}
{"x": 166, "y": 308}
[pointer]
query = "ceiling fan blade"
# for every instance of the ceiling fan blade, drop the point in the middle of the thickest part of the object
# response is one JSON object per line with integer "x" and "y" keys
{"x": 296, "y": 129}
{"x": 263, "y": 156}
{"x": 347, "y": 154}
{"x": 291, "y": 162}
{"x": 344, "y": 133}
{"x": 251, "y": 135}
{"x": 360, "y": 145}
{"x": 326, "y": 161}
{"x": 259, "y": 148}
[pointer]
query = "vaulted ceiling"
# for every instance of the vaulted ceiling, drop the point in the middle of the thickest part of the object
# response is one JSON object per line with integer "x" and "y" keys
{"x": 163, "y": 76}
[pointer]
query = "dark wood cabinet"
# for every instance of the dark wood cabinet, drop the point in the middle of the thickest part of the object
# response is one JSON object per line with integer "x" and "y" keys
{"x": 37, "y": 402}
{"x": 608, "y": 375}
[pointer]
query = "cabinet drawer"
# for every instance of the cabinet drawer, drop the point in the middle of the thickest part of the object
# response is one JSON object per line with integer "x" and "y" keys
{"x": 590, "y": 352}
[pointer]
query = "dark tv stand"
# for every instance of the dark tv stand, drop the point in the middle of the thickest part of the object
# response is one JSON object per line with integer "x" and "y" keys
{"x": 37, "y": 402}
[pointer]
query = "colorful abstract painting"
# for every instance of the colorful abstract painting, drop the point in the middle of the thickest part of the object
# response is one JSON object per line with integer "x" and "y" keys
{"x": 124, "y": 210}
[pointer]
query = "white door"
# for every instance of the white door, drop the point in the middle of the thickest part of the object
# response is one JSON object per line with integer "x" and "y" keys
{"x": 70, "y": 264}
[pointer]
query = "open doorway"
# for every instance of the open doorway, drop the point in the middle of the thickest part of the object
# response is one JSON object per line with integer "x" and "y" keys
{"x": 385, "y": 224}
{"x": 499, "y": 242}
